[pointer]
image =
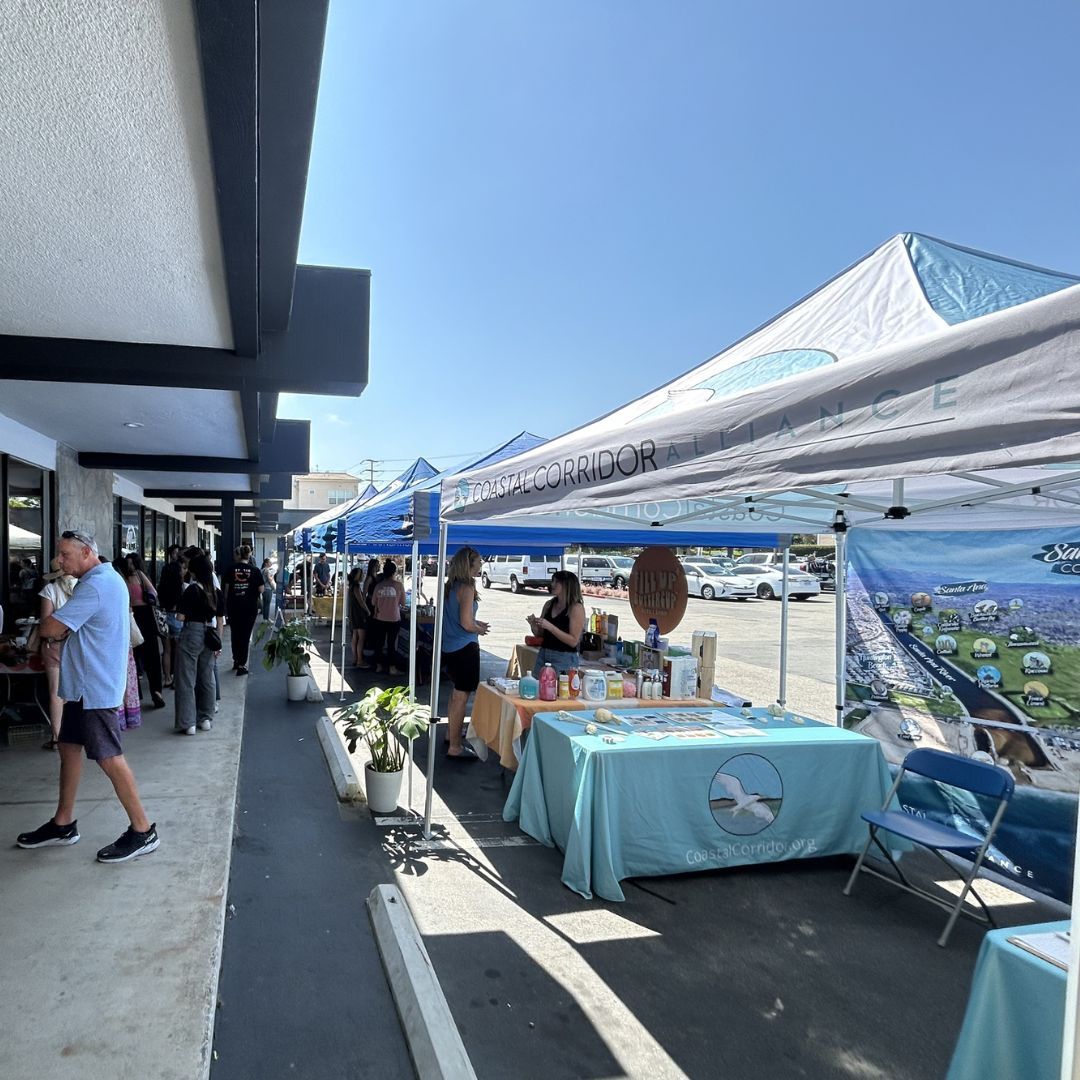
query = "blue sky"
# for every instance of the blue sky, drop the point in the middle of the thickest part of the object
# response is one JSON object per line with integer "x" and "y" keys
{"x": 564, "y": 205}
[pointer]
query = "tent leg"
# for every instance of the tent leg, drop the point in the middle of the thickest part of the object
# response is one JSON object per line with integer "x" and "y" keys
{"x": 344, "y": 620}
{"x": 436, "y": 653}
{"x": 413, "y": 619}
{"x": 784, "y": 603}
{"x": 841, "y": 625}
{"x": 333, "y": 624}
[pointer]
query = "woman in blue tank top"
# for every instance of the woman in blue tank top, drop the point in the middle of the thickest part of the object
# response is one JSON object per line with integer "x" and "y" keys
{"x": 461, "y": 632}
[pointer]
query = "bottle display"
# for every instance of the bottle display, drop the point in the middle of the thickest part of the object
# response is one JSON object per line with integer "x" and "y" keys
{"x": 549, "y": 683}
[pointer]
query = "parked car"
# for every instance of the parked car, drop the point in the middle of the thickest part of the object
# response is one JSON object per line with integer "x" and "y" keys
{"x": 768, "y": 581}
{"x": 770, "y": 558}
{"x": 601, "y": 569}
{"x": 708, "y": 560}
{"x": 519, "y": 571}
{"x": 716, "y": 582}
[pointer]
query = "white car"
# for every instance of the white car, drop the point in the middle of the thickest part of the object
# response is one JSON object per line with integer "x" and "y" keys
{"x": 715, "y": 582}
{"x": 768, "y": 582}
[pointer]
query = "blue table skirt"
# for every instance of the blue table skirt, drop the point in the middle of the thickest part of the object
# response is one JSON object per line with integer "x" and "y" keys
{"x": 1015, "y": 1019}
{"x": 646, "y": 807}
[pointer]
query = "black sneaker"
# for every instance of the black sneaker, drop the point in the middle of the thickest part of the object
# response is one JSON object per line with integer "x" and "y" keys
{"x": 241, "y": 670}
{"x": 130, "y": 846}
{"x": 50, "y": 834}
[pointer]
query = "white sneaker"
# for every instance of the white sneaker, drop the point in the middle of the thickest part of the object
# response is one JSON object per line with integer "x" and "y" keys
{"x": 204, "y": 725}
{"x": 187, "y": 731}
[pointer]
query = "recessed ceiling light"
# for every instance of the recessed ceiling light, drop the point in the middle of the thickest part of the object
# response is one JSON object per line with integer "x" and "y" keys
{"x": 132, "y": 424}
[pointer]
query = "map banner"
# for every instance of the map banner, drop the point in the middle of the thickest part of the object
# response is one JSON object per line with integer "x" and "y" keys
{"x": 970, "y": 643}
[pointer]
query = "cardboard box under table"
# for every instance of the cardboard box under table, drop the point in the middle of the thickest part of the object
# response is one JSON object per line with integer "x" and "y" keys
{"x": 499, "y": 720}
{"x": 770, "y": 790}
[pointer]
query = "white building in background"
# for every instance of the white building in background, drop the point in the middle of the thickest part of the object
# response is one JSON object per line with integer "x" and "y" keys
{"x": 321, "y": 490}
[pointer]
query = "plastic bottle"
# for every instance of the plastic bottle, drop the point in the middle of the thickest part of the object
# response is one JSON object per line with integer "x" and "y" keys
{"x": 564, "y": 687}
{"x": 575, "y": 683}
{"x": 528, "y": 688}
{"x": 549, "y": 683}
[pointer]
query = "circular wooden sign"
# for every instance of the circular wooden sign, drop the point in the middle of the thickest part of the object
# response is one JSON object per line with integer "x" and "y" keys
{"x": 658, "y": 589}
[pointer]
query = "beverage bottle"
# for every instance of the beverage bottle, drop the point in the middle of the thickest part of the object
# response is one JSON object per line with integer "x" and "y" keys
{"x": 564, "y": 687}
{"x": 549, "y": 683}
{"x": 575, "y": 683}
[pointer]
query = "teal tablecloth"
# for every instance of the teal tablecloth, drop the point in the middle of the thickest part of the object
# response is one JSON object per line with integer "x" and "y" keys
{"x": 646, "y": 807}
{"x": 1015, "y": 1018}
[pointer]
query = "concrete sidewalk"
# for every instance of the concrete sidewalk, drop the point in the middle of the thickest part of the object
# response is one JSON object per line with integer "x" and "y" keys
{"x": 110, "y": 972}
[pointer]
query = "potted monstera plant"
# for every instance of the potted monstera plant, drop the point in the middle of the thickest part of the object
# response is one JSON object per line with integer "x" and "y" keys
{"x": 382, "y": 718}
{"x": 289, "y": 644}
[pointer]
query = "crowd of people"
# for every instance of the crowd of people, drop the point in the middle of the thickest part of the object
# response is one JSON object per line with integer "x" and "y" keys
{"x": 101, "y": 625}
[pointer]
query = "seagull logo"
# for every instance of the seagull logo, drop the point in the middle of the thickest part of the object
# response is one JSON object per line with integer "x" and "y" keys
{"x": 745, "y": 794}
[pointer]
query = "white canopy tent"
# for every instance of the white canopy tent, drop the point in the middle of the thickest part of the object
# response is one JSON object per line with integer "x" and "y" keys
{"x": 961, "y": 419}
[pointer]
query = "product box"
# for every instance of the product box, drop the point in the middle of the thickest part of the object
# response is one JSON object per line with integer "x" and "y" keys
{"x": 680, "y": 677}
{"x": 706, "y": 677}
{"x": 703, "y": 646}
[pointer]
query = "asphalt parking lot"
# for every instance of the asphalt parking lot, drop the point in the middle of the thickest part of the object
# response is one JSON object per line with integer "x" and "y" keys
{"x": 747, "y": 632}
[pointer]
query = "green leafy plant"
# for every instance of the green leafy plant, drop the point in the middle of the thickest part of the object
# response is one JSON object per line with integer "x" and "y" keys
{"x": 289, "y": 644}
{"x": 378, "y": 718}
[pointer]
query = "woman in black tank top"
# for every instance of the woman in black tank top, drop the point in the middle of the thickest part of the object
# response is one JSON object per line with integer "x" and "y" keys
{"x": 561, "y": 624}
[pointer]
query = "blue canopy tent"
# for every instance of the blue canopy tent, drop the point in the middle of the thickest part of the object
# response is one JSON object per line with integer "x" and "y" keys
{"x": 320, "y": 533}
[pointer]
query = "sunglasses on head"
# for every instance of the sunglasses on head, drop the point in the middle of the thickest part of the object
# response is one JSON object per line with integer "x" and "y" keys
{"x": 80, "y": 537}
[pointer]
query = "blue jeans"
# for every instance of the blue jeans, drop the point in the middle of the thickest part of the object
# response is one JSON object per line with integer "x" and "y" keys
{"x": 561, "y": 660}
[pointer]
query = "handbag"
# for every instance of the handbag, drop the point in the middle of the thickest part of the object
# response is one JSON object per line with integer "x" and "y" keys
{"x": 161, "y": 622}
{"x": 212, "y": 639}
{"x": 137, "y": 638}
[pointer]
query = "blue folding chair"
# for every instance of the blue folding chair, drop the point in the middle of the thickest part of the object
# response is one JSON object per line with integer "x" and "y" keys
{"x": 957, "y": 772}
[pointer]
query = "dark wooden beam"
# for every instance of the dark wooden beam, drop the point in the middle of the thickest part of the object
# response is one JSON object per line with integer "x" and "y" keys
{"x": 325, "y": 350}
{"x": 228, "y": 33}
{"x": 291, "y": 37}
{"x": 290, "y": 452}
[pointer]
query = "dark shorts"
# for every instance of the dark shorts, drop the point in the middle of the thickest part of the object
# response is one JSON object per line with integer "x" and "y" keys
{"x": 97, "y": 731}
{"x": 463, "y": 667}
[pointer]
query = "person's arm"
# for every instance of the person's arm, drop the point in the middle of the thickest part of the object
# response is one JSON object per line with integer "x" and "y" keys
{"x": 83, "y": 604}
{"x": 577, "y": 624}
{"x": 469, "y": 623}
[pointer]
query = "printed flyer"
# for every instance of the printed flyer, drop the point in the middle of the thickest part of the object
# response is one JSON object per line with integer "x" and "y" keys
{"x": 970, "y": 643}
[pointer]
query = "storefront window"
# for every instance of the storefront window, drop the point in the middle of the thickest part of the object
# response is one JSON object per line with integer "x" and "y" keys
{"x": 26, "y": 538}
{"x": 130, "y": 525}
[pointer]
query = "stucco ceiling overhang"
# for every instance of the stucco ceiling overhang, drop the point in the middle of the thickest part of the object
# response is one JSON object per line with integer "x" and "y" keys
{"x": 154, "y": 163}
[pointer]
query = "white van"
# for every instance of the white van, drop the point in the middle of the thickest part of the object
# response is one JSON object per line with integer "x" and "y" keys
{"x": 519, "y": 571}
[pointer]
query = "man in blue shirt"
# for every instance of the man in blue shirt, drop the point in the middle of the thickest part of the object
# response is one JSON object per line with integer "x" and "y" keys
{"x": 322, "y": 576}
{"x": 95, "y": 625}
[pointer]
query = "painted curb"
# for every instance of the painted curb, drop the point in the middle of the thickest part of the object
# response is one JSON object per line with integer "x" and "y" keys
{"x": 337, "y": 758}
{"x": 434, "y": 1042}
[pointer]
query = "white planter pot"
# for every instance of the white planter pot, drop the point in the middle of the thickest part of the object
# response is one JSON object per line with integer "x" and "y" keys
{"x": 382, "y": 790}
{"x": 296, "y": 687}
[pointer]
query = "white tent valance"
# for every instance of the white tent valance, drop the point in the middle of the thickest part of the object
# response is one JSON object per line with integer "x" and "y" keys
{"x": 991, "y": 393}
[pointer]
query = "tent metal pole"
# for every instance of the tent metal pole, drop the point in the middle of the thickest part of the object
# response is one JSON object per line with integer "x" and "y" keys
{"x": 841, "y": 625}
{"x": 436, "y": 653}
{"x": 344, "y": 610}
{"x": 414, "y": 585}
{"x": 333, "y": 624}
{"x": 784, "y": 602}
{"x": 413, "y": 623}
